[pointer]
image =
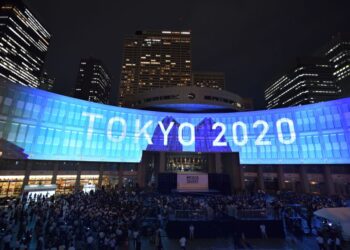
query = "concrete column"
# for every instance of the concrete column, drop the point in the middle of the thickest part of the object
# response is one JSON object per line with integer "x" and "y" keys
{"x": 141, "y": 175}
{"x": 261, "y": 184}
{"x": 218, "y": 163}
{"x": 304, "y": 181}
{"x": 120, "y": 176}
{"x": 100, "y": 176}
{"x": 162, "y": 162}
{"x": 211, "y": 161}
{"x": 28, "y": 168}
{"x": 77, "y": 181}
{"x": 55, "y": 172}
{"x": 232, "y": 167}
{"x": 280, "y": 176}
{"x": 328, "y": 180}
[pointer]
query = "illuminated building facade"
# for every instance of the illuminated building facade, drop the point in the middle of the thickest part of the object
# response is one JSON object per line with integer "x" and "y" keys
{"x": 310, "y": 81}
{"x": 48, "y": 138}
{"x": 155, "y": 59}
{"x": 23, "y": 44}
{"x": 93, "y": 81}
{"x": 215, "y": 80}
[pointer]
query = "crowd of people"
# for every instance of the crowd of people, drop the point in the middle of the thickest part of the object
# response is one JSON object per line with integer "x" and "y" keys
{"x": 299, "y": 207}
{"x": 108, "y": 219}
{"x": 98, "y": 220}
{"x": 213, "y": 206}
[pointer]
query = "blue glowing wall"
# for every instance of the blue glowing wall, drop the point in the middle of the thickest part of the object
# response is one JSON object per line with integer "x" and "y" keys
{"x": 40, "y": 125}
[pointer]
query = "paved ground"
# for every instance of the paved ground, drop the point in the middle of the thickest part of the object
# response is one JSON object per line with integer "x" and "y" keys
{"x": 227, "y": 243}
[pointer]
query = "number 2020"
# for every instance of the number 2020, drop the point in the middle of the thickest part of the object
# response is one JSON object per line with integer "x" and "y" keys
{"x": 260, "y": 141}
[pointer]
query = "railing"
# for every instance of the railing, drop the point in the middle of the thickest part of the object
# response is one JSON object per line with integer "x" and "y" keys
{"x": 252, "y": 213}
{"x": 190, "y": 215}
{"x": 239, "y": 214}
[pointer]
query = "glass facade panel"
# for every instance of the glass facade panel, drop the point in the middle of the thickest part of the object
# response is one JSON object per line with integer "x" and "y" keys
{"x": 65, "y": 184}
{"x": 10, "y": 186}
{"x": 40, "y": 179}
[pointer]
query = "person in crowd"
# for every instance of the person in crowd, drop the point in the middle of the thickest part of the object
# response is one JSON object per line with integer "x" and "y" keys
{"x": 338, "y": 243}
{"x": 263, "y": 231}
{"x": 191, "y": 232}
{"x": 320, "y": 242}
{"x": 102, "y": 219}
{"x": 182, "y": 242}
{"x": 136, "y": 237}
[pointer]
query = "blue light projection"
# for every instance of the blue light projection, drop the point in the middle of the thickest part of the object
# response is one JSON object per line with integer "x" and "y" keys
{"x": 39, "y": 125}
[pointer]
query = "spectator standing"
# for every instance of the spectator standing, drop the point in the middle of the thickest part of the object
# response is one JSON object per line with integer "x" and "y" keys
{"x": 337, "y": 243}
{"x": 183, "y": 243}
{"x": 263, "y": 231}
{"x": 135, "y": 236}
{"x": 90, "y": 241}
{"x": 320, "y": 242}
{"x": 191, "y": 229}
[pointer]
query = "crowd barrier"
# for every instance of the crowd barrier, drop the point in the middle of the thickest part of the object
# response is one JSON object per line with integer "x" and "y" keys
{"x": 252, "y": 213}
{"x": 225, "y": 228}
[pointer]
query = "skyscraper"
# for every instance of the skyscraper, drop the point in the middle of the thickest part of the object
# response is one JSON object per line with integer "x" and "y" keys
{"x": 155, "y": 59}
{"x": 93, "y": 81}
{"x": 23, "y": 44}
{"x": 310, "y": 81}
{"x": 338, "y": 53}
{"x": 215, "y": 80}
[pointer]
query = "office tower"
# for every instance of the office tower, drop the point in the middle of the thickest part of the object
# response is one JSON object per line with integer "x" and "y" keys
{"x": 215, "y": 80}
{"x": 23, "y": 44}
{"x": 310, "y": 81}
{"x": 155, "y": 59}
{"x": 46, "y": 81}
{"x": 338, "y": 53}
{"x": 93, "y": 82}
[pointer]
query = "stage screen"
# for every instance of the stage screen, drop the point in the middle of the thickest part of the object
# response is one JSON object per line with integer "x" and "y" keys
{"x": 40, "y": 125}
{"x": 192, "y": 182}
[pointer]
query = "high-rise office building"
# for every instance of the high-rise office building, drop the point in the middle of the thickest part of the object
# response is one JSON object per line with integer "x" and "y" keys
{"x": 338, "y": 53}
{"x": 155, "y": 59}
{"x": 93, "y": 81}
{"x": 215, "y": 80}
{"x": 23, "y": 44}
{"x": 310, "y": 81}
{"x": 46, "y": 81}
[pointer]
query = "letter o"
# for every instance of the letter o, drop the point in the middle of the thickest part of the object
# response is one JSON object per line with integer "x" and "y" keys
{"x": 192, "y": 136}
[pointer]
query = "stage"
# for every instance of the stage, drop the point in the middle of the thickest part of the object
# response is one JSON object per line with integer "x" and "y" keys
{"x": 196, "y": 192}
{"x": 185, "y": 183}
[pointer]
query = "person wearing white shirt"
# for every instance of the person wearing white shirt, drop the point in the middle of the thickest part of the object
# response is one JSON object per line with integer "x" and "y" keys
{"x": 191, "y": 228}
{"x": 263, "y": 231}
{"x": 183, "y": 243}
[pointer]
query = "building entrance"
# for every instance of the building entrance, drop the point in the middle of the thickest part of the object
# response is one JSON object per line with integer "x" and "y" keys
{"x": 186, "y": 162}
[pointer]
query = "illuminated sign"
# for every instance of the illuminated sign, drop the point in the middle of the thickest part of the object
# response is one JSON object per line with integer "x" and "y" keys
{"x": 35, "y": 124}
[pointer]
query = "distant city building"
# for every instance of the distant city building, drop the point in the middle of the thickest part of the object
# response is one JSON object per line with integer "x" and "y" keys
{"x": 310, "y": 81}
{"x": 338, "y": 53}
{"x": 46, "y": 81}
{"x": 93, "y": 82}
{"x": 215, "y": 80}
{"x": 24, "y": 44}
{"x": 155, "y": 59}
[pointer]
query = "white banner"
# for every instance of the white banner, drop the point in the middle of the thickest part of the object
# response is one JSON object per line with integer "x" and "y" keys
{"x": 192, "y": 181}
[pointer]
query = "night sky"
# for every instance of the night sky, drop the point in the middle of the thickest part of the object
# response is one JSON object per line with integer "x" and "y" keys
{"x": 253, "y": 42}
